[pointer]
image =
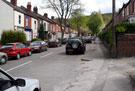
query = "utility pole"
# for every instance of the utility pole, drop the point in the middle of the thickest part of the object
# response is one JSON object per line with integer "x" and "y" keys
{"x": 113, "y": 31}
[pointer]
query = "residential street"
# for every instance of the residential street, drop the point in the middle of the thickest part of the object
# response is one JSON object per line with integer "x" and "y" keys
{"x": 57, "y": 71}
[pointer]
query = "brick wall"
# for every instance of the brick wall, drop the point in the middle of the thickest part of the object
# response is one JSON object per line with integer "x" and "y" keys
{"x": 126, "y": 45}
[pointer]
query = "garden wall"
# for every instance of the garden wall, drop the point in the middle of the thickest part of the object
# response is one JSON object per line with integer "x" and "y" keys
{"x": 126, "y": 45}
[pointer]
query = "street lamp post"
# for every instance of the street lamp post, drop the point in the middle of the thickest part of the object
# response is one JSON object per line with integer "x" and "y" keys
{"x": 114, "y": 32}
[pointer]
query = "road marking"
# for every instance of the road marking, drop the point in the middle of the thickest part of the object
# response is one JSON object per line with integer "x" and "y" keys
{"x": 19, "y": 66}
{"x": 46, "y": 55}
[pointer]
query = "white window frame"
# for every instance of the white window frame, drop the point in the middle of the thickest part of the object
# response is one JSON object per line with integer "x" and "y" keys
{"x": 35, "y": 23}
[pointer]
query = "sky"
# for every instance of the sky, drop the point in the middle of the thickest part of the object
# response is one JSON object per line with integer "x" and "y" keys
{"x": 105, "y": 6}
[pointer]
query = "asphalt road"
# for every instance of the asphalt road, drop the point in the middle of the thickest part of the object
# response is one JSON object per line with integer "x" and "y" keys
{"x": 53, "y": 67}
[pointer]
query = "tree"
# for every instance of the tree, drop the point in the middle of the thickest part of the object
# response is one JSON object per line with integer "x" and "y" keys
{"x": 101, "y": 18}
{"x": 78, "y": 20}
{"x": 63, "y": 9}
{"x": 41, "y": 32}
{"x": 94, "y": 22}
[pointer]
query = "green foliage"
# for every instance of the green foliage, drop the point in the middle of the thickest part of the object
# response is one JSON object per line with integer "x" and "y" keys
{"x": 101, "y": 18}
{"x": 78, "y": 21}
{"x": 107, "y": 17}
{"x": 9, "y": 36}
{"x": 41, "y": 32}
{"x": 120, "y": 29}
{"x": 127, "y": 27}
{"x": 94, "y": 22}
{"x": 106, "y": 36}
{"x": 36, "y": 39}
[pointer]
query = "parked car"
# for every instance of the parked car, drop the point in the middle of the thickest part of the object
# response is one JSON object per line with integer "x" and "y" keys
{"x": 91, "y": 37}
{"x": 3, "y": 58}
{"x": 15, "y": 50}
{"x": 75, "y": 45}
{"x": 54, "y": 43}
{"x": 87, "y": 40}
{"x": 10, "y": 83}
{"x": 64, "y": 40}
{"x": 38, "y": 46}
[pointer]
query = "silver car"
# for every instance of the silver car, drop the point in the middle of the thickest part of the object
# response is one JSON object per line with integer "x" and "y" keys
{"x": 3, "y": 58}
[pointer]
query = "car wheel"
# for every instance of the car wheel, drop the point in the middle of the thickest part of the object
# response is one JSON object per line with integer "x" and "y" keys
{"x": 3, "y": 60}
{"x": 40, "y": 50}
{"x": 18, "y": 56}
{"x": 46, "y": 49}
{"x": 30, "y": 53}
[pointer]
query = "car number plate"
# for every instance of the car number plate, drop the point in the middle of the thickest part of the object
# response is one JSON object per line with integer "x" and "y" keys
{"x": 70, "y": 50}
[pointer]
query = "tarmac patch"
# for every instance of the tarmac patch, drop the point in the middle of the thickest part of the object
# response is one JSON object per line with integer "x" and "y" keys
{"x": 84, "y": 59}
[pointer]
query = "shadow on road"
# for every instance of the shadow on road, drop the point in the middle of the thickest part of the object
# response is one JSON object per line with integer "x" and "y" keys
{"x": 70, "y": 54}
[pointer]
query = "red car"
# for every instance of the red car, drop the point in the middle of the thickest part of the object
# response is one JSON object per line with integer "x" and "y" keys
{"x": 54, "y": 43}
{"x": 15, "y": 50}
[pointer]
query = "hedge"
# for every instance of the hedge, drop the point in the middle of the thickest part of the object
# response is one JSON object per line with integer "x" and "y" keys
{"x": 36, "y": 39}
{"x": 127, "y": 27}
{"x": 122, "y": 27}
{"x": 10, "y": 36}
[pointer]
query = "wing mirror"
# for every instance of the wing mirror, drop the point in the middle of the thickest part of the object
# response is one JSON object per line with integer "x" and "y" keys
{"x": 20, "y": 82}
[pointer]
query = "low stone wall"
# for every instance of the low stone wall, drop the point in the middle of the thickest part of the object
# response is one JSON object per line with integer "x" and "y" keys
{"x": 125, "y": 45}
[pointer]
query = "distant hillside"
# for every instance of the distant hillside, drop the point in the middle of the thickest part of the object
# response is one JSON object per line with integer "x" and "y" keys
{"x": 107, "y": 17}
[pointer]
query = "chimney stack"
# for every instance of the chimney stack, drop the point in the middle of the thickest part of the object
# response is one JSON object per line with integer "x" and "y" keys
{"x": 46, "y": 15}
{"x": 14, "y": 2}
{"x": 29, "y": 7}
{"x": 35, "y": 9}
{"x": 52, "y": 17}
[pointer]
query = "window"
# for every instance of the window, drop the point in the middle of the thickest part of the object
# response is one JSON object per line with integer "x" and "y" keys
{"x": 35, "y": 23}
{"x": 23, "y": 46}
{"x": 5, "y": 82}
{"x": 132, "y": 20}
{"x": 27, "y": 21}
{"x": 123, "y": 12}
{"x": 127, "y": 10}
{"x": 44, "y": 26}
{"x": 18, "y": 46}
{"x": 19, "y": 19}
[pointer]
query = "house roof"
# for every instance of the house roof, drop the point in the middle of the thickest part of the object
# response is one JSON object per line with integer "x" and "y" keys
{"x": 28, "y": 13}
{"x": 46, "y": 19}
{"x": 22, "y": 9}
{"x": 14, "y": 7}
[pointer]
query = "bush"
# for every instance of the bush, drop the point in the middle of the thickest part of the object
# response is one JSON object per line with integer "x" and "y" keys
{"x": 10, "y": 36}
{"x": 106, "y": 36}
{"x": 122, "y": 27}
{"x": 126, "y": 27}
{"x": 36, "y": 39}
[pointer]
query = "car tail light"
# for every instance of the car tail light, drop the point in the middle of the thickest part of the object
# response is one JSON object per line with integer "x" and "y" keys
{"x": 11, "y": 49}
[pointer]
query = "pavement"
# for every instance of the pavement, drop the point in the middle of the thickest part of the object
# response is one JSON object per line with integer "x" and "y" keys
{"x": 98, "y": 72}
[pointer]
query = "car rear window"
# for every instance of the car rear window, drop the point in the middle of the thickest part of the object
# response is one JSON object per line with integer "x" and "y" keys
{"x": 8, "y": 46}
{"x": 74, "y": 40}
{"x": 35, "y": 43}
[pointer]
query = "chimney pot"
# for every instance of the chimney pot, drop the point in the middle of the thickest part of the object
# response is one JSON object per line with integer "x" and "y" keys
{"x": 29, "y": 7}
{"x": 35, "y": 9}
{"x": 46, "y": 15}
{"x": 14, "y": 2}
{"x": 52, "y": 17}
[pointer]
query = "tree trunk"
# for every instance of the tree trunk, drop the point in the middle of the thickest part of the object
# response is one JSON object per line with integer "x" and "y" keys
{"x": 69, "y": 32}
{"x": 79, "y": 33}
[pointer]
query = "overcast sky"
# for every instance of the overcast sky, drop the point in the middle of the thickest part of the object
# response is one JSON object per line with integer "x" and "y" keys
{"x": 105, "y": 6}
